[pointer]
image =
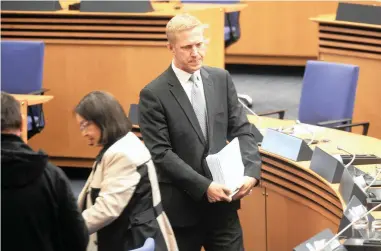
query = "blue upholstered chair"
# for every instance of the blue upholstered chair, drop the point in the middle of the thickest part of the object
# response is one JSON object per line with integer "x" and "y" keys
{"x": 232, "y": 31}
{"x": 21, "y": 73}
{"x": 328, "y": 95}
{"x": 133, "y": 116}
{"x": 149, "y": 245}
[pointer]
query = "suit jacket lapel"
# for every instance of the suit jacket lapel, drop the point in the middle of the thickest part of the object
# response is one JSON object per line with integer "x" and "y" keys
{"x": 210, "y": 98}
{"x": 178, "y": 92}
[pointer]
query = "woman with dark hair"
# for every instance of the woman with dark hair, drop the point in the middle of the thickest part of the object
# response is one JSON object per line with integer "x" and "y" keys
{"x": 121, "y": 199}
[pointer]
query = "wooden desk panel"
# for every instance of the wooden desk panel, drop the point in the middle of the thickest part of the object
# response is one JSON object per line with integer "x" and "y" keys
{"x": 33, "y": 99}
{"x": 253, "y": 220}
{"x": 72, "y": 71}
{"x": 278, "y": 32}
{"x": 290, "y": 223}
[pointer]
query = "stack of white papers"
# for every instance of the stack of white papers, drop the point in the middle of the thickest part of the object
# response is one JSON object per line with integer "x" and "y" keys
{"x": 227, "y": 167}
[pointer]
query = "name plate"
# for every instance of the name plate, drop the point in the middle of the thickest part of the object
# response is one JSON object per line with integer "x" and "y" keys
{"x": 359, "y": 13}
{"x": 348, "y": 216}
{"x": 326, "y": 166}
{"x": 287, "y": 146}
{"x": 349, "y": 188}
{"x": 140, "y": 6}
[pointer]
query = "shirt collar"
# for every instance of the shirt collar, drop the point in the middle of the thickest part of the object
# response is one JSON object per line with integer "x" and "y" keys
{"x": 184, "y": 76}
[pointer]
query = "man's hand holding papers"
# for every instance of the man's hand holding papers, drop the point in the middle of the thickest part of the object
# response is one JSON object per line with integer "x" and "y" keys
{"x": 217, "y": 192}
{"x": 227, "y": 171}
{"x": 245, "y": 189}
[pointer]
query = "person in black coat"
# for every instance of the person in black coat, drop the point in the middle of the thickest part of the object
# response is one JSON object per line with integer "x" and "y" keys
{"x": 38, "y": 209}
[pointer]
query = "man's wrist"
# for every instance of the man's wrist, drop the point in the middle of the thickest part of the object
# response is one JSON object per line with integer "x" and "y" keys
{"x": 256, "y": 182}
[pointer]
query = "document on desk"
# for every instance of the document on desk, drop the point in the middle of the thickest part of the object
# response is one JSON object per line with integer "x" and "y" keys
{"x": 227, "y": 167}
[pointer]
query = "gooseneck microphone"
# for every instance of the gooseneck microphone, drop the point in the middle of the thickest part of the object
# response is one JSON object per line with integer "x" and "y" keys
{"x": 353, "y": 158}
{"x": 251, "y": 111}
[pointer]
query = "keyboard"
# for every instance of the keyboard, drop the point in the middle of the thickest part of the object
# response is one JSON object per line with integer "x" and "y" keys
{"x": 361, "y": 159}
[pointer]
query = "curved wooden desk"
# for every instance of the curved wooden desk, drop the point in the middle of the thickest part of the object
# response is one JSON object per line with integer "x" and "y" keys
{"x": 294, "y": 203}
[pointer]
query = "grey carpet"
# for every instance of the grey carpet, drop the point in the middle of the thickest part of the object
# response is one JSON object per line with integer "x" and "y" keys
{"x": 271, "y": 88}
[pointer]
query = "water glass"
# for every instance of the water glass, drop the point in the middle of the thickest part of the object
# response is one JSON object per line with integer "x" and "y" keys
{"x": 375, "y": 232}
{"x": 360, "y": 230}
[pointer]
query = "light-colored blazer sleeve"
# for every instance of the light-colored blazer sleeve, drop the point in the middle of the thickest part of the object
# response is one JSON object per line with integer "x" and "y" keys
{"x": 120, "y": 178}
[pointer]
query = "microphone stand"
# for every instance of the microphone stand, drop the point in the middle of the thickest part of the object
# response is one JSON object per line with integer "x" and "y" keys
{"x": 353, "y": 158}
{"x": 349, "y": 225}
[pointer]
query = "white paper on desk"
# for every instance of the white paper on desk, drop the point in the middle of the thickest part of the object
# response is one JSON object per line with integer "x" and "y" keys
{"x": 300, "y": 129}
{"x": 227, "y": 167}
{"x": 360, "y": 181}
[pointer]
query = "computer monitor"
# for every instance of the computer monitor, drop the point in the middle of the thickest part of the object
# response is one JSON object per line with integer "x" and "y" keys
{"x": 31, "y": 5}
{"x": 116, "y": 6}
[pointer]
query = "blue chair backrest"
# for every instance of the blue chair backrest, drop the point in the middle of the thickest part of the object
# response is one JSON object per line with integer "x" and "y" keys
{"x": 328, "y": 92}
{"x": 149, "y": 245}
{"x": 233, "y": 17}
{"x": 21, "y": 66}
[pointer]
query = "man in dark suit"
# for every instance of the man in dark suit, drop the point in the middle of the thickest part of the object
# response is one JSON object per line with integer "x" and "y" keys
{"x": 186, "y": 113}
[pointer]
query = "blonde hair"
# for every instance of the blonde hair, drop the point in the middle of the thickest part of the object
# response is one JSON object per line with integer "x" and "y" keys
{"x": 179, "y": 23}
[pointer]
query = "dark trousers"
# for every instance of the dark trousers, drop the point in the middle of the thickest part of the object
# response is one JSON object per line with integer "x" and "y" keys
{"x": 219, "y": 232}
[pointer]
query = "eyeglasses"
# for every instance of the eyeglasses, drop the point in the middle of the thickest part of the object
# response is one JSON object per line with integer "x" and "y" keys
{"x": 83, "y": 125}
